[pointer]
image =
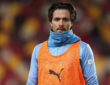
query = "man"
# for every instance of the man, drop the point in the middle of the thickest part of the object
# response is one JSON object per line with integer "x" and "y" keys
{"x": 63, "y": 59}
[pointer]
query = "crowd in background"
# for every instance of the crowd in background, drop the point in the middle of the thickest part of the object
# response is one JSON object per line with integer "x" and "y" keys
{"x": 24, "y": 24}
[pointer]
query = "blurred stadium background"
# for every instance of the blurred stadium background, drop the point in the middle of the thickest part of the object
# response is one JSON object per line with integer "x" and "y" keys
{"x": 23, "y": 24}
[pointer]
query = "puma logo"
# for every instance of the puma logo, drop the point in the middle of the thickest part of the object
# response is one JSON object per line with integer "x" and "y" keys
{"x": 54, "y": 73}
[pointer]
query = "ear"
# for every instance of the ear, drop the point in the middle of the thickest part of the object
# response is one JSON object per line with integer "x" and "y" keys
{"x": 51, "y": 24}
{"x": 71, "y": 24}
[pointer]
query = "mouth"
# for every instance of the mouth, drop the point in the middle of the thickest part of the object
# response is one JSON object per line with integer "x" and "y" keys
{"x": 60, "y": 29}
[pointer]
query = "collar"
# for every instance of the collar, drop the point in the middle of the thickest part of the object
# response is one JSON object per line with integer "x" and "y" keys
{"x": 63, "y": 38}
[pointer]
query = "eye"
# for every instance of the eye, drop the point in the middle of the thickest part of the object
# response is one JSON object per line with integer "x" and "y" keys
{"x": 57, "y": 19}
{"x": 65, "y": 19}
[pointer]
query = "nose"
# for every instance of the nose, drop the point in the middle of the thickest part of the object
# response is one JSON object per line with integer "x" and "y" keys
{"x": 61, "y": 22}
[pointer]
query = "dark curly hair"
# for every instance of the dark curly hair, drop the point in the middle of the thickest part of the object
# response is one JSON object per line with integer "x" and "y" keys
{"x": 62, "y": 5}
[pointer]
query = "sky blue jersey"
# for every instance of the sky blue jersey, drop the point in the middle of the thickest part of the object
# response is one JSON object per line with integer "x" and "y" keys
{"x": 86, "y": 61}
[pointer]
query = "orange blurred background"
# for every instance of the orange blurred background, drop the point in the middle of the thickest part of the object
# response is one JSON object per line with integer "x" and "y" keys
{"x": 24, "y": 24}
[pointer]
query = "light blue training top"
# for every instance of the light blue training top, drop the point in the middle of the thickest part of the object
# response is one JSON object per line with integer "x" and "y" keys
{"x": 58, "y": 43}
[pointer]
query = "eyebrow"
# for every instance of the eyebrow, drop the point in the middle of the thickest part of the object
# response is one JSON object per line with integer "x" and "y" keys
{"x": 64, "y": 18}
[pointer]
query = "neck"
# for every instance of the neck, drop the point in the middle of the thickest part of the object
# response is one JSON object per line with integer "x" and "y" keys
{"x": 63, "y": 38}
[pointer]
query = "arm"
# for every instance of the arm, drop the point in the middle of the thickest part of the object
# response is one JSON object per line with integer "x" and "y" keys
{"x": 33, "y": 73}
{"x": 88, "y": 64}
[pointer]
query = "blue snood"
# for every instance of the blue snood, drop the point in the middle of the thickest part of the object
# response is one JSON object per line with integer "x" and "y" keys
{"x": 63, "y": 38}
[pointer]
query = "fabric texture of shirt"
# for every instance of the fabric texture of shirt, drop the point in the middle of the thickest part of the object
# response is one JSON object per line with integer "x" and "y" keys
{"x": 86, "y": 61}
{"x": 63, "y": 69}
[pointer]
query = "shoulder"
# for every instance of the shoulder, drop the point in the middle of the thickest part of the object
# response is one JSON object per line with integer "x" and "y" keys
{"x": 37, "y": 46}
{"x": 84, "y": 48}
{"x": 36, "y": 50}
{"x": 83, "y": 45}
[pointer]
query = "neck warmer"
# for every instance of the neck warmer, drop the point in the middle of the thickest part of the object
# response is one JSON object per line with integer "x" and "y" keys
{"x": 63, "y": 38}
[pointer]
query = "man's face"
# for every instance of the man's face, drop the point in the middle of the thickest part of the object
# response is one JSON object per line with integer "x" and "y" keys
{"x": 61, "y": 20}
